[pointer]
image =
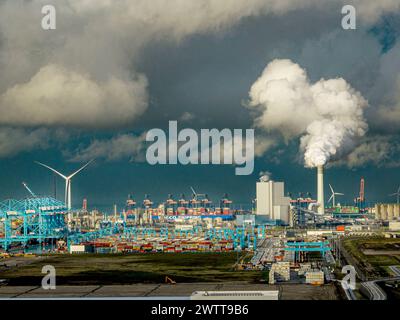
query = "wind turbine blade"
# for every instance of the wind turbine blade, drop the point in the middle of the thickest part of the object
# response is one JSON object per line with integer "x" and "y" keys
{"x": 339, "y": 194}
{"x": 330, "y": 198}
{"x": 50, "y": 168}
{"x": 393, "y": 194}
{"x": 79, "y": 170}
{"x": 331, "y": 188}
{"x": 194, "y": 192}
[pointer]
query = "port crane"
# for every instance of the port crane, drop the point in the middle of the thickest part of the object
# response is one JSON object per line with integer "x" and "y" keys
{"x": 29, "y": 190}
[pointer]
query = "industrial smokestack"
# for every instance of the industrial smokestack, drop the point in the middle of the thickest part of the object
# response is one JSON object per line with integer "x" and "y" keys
{"x": 320, "y": 186}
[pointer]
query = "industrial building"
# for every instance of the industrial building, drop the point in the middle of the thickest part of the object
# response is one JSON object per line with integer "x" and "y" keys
{"x": 271, "y": 200}
{"x": 279, "y": 272}
{"x": 236, "y": 295}
{"x": 387, "y": 211}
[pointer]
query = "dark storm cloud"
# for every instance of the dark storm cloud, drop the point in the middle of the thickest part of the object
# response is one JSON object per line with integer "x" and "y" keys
{"x": 137, "y": 64}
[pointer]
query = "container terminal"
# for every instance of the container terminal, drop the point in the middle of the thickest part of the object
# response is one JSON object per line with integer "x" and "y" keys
{"x": 288, "y": 237}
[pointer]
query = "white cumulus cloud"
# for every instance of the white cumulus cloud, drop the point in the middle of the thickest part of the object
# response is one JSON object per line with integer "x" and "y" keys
{"x": 57, "y": 96}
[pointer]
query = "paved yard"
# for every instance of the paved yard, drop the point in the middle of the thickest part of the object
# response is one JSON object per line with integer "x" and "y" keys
{"x": 183, "y": 290}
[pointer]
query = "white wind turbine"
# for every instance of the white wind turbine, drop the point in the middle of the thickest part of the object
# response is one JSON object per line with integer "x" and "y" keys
{"x": 397, "y": 194}
{"x": 333, "y": 196}
{"x": 68, "y": 196}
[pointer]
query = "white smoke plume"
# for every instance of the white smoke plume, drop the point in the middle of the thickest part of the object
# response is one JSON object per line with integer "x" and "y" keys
{"x": 265, "y": 176}
{"x": 327, "y": 115}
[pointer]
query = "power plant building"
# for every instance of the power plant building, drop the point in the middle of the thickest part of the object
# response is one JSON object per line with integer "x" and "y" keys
{"x": 271, "y": 200}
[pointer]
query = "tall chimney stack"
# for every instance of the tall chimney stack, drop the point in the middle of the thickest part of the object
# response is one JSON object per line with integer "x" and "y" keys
{"x": 320, "y": 186}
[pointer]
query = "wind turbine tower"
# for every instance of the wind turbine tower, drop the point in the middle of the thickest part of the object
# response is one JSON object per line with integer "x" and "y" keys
{"x": 333, "y": 196}
{"x": 68, "y": 194}
{"x": 397, "y": 195}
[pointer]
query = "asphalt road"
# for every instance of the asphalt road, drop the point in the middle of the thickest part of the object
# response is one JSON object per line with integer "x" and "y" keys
{"x": 351, "y": 261}
{"x": 265, "y": 251}
{"x": 395, "y": 270}
{"x": 374, "y": 290}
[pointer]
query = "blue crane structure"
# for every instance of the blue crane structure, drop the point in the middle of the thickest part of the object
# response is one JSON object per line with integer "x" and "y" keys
{"x": 35, "y": 219}
{"x": 319, "y": 246}
{"x": 243, "y": 237}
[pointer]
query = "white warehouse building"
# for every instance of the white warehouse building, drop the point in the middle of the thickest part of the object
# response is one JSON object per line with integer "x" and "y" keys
{"x": 271, "y": 200}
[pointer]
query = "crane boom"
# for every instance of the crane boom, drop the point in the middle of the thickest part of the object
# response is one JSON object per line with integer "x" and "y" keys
{"x": 29, "y": 190}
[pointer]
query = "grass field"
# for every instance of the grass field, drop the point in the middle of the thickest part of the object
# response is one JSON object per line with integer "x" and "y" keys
{"x": 134, "y": 268}
{"x": 374, "y": 265}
